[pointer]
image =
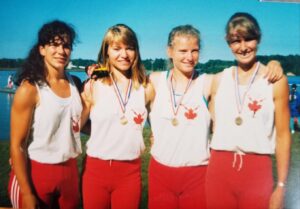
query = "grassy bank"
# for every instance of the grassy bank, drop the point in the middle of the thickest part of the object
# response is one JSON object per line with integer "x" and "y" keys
{"x": 293, "y": 186}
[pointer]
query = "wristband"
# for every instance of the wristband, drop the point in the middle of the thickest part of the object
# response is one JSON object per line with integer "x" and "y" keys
{"x": 280, "y": 184}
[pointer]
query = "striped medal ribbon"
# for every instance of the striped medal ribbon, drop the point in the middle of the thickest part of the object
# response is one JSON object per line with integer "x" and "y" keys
{"x": 175, "y": 106}
{"x": 122, "y": 103}
{"x": 240, "y": 101}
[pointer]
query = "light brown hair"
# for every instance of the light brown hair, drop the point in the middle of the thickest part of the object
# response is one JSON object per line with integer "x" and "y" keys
{"x": 124, "y": 34}
{"x": 242, "y": 25}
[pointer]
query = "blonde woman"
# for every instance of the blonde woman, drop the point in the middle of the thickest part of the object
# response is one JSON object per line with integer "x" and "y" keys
{"x": 180, "y": 123}
{"x": 116, "y": 106}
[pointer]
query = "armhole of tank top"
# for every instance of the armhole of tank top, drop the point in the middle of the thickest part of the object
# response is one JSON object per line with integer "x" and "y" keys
{"x": 39, "y": 94}
{"x": 166, "y": 77}
{"x": 71, "y": 82}
{"x": 70, "y": 79}
{"x": 163, "y": 78}
{"x": 205, "y": 101}
{"x": 224, "y": 74}
{"x": 202, "y": 79}
{"x": 142, "y": 89}
{"x": 167, "y": 74}
{"x": 73, "y": 88}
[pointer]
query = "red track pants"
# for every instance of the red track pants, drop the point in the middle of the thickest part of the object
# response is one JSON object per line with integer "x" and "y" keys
{"x": 176, "y": 187}
{"x": 55, "y": 185}
{"x": 111, "y": 184}
{"x": 238, "y": 181}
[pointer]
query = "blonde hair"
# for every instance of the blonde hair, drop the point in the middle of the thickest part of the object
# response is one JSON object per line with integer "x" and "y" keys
{"x": 183, "y": 30}
{"x": 124, "y": 34}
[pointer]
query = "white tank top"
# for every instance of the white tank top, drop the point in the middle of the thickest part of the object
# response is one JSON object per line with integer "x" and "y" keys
{"x": 187, "y": 143}
{"x": 256, "y": 134}
{"x": 55, "y": 132}
{"x": 110, "y": 139}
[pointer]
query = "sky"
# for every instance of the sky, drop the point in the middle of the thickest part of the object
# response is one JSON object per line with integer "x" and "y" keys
{"x": 152, "y": 20}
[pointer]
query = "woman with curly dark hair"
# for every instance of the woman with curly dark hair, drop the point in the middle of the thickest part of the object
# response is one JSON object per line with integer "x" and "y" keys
{"x": 45, "y": 116}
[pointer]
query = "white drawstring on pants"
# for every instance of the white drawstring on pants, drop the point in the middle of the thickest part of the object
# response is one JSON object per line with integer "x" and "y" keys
{"x": 240, "y": 154}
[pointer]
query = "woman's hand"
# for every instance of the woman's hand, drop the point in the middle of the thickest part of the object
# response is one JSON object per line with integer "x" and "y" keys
{"x": 29, "y": 201}
{"x": 90, "y": 69}
{"x": 274, "y": 71}
{"x": 277, "y": 198}
{"x": 96, "y": 71}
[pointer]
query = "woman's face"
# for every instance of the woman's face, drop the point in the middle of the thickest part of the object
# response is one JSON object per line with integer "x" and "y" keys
{"x": 56, "y": 54}
{"x": 243, "y": 49}
{"x": 184, "y": 53}
{"x": 121, "y": 57}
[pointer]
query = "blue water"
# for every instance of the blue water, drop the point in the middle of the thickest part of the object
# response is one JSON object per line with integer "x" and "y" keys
{"x": 6, "y": 101}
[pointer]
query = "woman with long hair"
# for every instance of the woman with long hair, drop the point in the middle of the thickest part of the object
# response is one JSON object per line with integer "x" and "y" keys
{"x": 116, "y": 106}
{"x": 45, "y": 125}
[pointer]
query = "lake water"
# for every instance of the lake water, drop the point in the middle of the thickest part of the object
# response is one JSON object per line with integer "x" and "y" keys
{"x": 6, "y": 100}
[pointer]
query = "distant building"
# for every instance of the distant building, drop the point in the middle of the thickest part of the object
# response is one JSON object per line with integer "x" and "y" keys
{"x": 290, "y": 74}
{"x": 71, "y": 66}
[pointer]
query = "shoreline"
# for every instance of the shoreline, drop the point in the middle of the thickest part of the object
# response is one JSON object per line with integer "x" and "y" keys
{"x": 69, "y": 70}
{"x": 7, "y": 90}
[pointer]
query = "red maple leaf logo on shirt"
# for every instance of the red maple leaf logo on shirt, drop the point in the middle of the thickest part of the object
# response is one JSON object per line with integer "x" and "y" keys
{"x": 254, "y": 106}
{"x": 138, "y": 119}
{"x": 75, "y": 125}
{"x": 190, "y": 114}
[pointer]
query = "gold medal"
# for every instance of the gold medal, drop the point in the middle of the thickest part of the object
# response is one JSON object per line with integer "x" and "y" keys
{"x": 175, "y": 107}
{"x": 123, "y": 120}
{"x": 122, "y": 103}
{"x": 240, "y": 99}
{"x": 238, "y": 121}
{"x": 174, "y": 122}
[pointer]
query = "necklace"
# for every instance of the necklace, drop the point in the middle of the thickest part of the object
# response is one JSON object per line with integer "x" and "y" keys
{"x": 240, "y": 101}
{"x": 122, "y": 103}
{"x": 175, "y": 106}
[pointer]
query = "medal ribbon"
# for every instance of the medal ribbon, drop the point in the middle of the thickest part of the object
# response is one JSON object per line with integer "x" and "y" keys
{"x": 175, "y": 107}
{"x": 122, "y": 102}
{"x": 239, "y": 101}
